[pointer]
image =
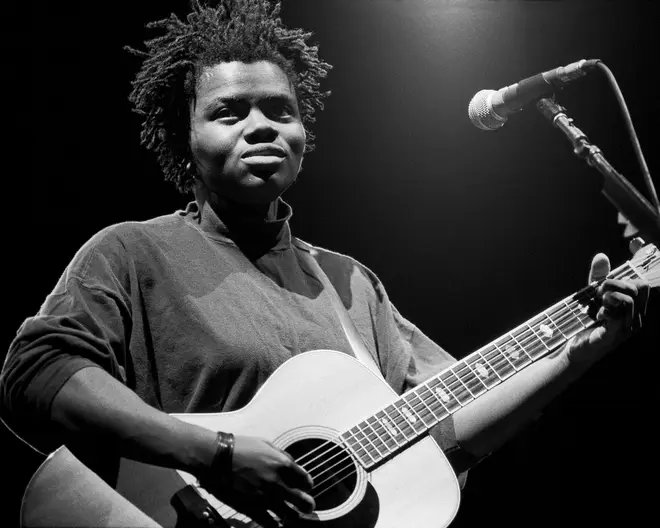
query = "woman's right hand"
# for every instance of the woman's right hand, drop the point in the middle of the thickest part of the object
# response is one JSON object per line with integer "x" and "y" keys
{"x": 265, "y": 478}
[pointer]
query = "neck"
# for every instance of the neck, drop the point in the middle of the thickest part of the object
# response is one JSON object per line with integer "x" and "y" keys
{"x": 231, "y": 212}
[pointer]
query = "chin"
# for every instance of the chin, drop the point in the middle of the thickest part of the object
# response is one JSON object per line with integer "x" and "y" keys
{"x": 265, "y": 186}
{"x": 260, "y": 189}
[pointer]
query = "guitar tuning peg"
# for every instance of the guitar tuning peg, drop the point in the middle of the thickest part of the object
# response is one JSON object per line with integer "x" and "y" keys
{"x": 636, "y": 244}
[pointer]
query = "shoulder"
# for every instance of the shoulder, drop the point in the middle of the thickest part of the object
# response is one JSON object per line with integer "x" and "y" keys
{"x": 129, "y": 233}
{"x": 118, "y": 244}
{"x": 342, "y": 268}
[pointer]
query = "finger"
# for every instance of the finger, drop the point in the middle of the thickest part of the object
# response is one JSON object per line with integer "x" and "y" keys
{"x": 614, "y": 285}
{"x": 600, "y": 267}
{"x": 284, "y": 512}
{"x": 254, "y": 507}
{"x": 298, "y": 498}
{"x": 618, "y": 307}
{"x": 642, "y": 301}
{"x": 296, "y": 476}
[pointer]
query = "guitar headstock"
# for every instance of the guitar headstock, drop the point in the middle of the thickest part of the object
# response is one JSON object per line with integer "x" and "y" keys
{"x": 646, "y": 261}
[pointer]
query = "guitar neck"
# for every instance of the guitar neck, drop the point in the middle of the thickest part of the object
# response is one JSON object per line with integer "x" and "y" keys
{"x": 401, "y": 423}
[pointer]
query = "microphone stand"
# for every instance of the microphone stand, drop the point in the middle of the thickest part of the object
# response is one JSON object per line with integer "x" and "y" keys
{"x": 617, "y": 189}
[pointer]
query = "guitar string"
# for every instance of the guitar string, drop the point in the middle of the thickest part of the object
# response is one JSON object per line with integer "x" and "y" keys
{"x": 399, "y": 421}
{"x": 452, "y": 388}
{"x": 426, "y": 412}
{"x": 559, "y": 324}
{"x": 591, "y": 321}
{"x": 423, "y": 415}
{"x": 531, "y": 336}
{"x": 352, "y": 470}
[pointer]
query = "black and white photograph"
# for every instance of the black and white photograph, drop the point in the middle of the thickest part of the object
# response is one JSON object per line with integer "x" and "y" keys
{"x": 331, "y": 264}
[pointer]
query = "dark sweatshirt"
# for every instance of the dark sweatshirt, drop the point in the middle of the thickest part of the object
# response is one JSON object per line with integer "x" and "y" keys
{"x": 194, "y": 317}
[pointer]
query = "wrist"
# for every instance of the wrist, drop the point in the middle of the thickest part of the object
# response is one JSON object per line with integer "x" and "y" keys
{"x": 220, "y": 468}
{"x": 580, "y": 354}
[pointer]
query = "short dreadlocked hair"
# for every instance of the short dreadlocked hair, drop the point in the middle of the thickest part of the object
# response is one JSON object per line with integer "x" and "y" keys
{"x": 234, "y": 30}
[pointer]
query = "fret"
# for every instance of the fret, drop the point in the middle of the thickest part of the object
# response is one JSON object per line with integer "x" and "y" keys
{"x": 446, "y": 397}
{"x": 529, "y": 341}
{"x": 521, "y": 347}
{"x": 458, "y": 390}
{"x": 565, "y": 319}
{"x": 575, "y": 316}
{"x": 538, "y": 338}
{"x": 442, "y": 396}
{"x": 505, "y": 355}
{"x": 343, "y": 442}
{"x": 482, "y": 369}
{"x": 433, "y": 402}
{"x": 376, "y": 440}
{"x": 410, "y": 416}
{"x": 365, "y": 442}
{"x": 553, "y": 323}
{"x": 385, "y": 437}
{"x": 401, "y": 424}
{"x": 392, "y": 429}
{"x": 585, "y": 300}
{"x": 511, "y": 351}
{"x": 358, "y": 449}
{"x": 467, "y": 376}
{"x": 503, "y": 367}
{"x": 426, "y": 410}
{"x": 547, "y": 331}
{"x": 485, "y": 358}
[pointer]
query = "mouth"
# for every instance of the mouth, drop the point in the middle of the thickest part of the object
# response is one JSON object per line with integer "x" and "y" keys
{"x": 263, "y": 160}
{"x": 264, "y": 153}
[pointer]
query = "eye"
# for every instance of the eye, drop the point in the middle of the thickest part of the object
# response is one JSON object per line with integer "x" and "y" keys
{"x": 225, "y": 113}
{"x": 278, "y": 110}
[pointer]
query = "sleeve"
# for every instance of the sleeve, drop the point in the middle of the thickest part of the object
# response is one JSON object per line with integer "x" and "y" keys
{"x": 84, "y": 322}
{"x": 426, "y": 359}
{"x": 409, "y": 357}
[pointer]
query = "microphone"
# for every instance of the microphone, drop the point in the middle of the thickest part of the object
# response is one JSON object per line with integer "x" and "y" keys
{"x": 489, "y": 109}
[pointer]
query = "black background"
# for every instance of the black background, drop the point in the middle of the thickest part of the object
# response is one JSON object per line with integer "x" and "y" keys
{"x": 471, "y": 232}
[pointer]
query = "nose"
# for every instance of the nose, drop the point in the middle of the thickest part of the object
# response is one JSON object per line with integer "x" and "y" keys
{"x": 259, "y": 129}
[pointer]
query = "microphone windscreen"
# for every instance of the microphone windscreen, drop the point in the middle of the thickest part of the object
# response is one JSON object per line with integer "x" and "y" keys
{"x": 481, "y": 113}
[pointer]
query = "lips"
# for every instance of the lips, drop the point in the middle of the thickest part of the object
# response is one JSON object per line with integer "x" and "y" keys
{"x": 264, "y": 157}
{"x": 263, "y": 151}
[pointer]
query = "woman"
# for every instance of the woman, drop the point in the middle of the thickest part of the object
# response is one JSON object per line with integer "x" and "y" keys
{"x": 193, "y": 311}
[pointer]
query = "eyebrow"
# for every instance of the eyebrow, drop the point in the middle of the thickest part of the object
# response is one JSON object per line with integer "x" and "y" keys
{"x": 239, "y": 99}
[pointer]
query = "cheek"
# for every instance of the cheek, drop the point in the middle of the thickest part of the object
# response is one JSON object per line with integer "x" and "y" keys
{"x": 298, "y": 140}
{"x": 211, "y": 148}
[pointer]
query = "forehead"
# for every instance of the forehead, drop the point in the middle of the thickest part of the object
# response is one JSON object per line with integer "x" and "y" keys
{"x": 244, "y": 80}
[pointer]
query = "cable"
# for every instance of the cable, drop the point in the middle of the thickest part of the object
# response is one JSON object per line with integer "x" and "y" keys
{"x": 631, "y": 132}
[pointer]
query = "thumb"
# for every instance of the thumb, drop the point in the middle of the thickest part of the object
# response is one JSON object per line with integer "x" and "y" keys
{"x": 600, "y": 267}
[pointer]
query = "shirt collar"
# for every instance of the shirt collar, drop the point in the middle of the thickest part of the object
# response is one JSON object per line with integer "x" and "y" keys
{"x": 251, "y": 237}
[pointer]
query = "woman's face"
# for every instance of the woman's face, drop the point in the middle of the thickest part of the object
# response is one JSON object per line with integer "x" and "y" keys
{"x": 246, "y": 134}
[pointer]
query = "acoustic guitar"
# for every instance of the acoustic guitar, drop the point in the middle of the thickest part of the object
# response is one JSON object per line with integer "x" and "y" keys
{"x": 368, "y": 450}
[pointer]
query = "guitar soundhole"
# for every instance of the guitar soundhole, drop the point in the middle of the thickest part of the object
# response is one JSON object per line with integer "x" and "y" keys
{"x": 330, "y": 466}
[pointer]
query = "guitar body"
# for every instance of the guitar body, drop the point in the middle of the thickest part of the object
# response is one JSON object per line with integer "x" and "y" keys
{"x": 309, "y": 400}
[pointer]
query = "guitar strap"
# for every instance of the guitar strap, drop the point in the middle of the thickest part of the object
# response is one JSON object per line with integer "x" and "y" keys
{"x": 359, "y": 349}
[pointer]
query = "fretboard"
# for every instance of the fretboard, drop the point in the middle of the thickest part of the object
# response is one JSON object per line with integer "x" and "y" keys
{"x": 396, "y": 426}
